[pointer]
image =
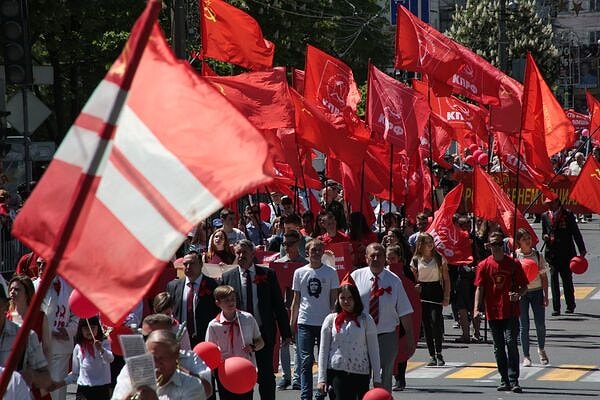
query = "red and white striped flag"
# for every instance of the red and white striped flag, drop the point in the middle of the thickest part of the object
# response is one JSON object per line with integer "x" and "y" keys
{"x": 176, "y": 151}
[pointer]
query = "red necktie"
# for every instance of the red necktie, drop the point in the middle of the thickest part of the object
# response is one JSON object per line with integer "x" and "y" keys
{"x": 190, "y": 322}
{"x": 231, "y": 325}
{"x": 374, "y": 300}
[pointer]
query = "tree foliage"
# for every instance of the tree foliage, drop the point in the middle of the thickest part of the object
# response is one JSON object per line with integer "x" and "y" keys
{"x": 475, "y": 25}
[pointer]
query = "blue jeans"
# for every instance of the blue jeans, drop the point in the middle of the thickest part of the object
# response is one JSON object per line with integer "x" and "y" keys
{"x": 285, "y": 359}
{"x": 307, "y": 336}
{"x": 504, "y": 334}
{"x": 535, "y": 299}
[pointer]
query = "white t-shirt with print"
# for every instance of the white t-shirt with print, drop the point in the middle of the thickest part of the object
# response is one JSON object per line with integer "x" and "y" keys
{"x": 314, "y": 285}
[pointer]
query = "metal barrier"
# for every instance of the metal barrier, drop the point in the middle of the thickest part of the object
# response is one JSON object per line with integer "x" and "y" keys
{"x": 11, "y": 250}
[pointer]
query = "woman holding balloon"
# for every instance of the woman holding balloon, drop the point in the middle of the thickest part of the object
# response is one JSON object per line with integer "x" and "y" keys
{"x": 536, "y": 297}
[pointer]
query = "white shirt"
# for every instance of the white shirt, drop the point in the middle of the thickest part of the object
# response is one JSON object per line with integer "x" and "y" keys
{"x": 428, "y": 271}
{"x": 353, "y": 349}
{"x": 17, "y": 389}
{"x": 56, "y": 307}
{"x": 91, "y": 371}
{"x": 314, "y": 286}
{"x": 186, "y": 291}
{"x": 252, "y": 270}
{"x": 538, "y": 257}
{"x": 392, "y": 305}
{"x": 181, "y": 386}
{"x": 245, "y": 330}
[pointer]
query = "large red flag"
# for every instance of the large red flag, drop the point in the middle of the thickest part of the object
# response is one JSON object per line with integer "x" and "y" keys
{"x": 492, "y": 203}
{"x": 262, "y": 97}
{"x": 450, "y": 239}
{"x": 315, "y": 129}
{"x": 477, "y": 79}
{"x": 231, "y": 35}
{"x": 298, "y": 80}
{"x": 395, "y": 112}
{"x": 438, "y": 142}
{"x": 586, "y": 190}
{"x": 329, "y": 82}
{"x": 421, "y": 48}
{"x": 506, "y": 117}
{"x": 594, "y": 110}
{"x": 544, "y": 122}
{"x": 155, "y": 176}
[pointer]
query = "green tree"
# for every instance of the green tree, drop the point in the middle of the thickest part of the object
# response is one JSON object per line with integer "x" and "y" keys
{"x": 475, "y": 25}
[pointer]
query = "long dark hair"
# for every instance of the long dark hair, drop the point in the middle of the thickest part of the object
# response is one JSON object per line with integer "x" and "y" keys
{"x": 359, "y": 227}
{"x": 358, "y": 305}
{"x": 94, "y": 321}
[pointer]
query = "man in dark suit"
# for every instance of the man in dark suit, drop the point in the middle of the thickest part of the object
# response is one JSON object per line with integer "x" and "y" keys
{"x": 258, "y": 293}
{"x": 559, "y": 230}
{"x": 194, "y": 304}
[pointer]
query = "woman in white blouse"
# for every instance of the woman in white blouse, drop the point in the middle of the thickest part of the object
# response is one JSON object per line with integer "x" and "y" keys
{"x": 349, "y": 349}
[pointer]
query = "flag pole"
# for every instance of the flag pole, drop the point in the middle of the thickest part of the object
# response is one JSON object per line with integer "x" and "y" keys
{"x": 84, "y": 189}
{"x": 391, "y": 177}
{"x": 430, "y": 162}
{"x": 303, "y": 178}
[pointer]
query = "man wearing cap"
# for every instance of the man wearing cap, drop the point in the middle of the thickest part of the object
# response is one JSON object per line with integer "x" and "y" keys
{"x": 559, "y": 231}
{"x": 500, "y": 283}
{"x": 332, "y": 204}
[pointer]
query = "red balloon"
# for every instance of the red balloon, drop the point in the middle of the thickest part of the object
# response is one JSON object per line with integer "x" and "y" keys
{"x": 477, "y": 153}
{"x": 238, "y": 375}
{"x": 378, "y": 394}
{"x": 81, "y": 306}
{"x": 113, "y": 338}
{"x": 530, "y": 268}
{"x": 265, "y": 212}
{"x": 483, "y": 159}
{"x": 209, "y": 353}
{"x": 473, "y": 147}
{"x": 578, "y": 265}
{"x": 470, "y": 160}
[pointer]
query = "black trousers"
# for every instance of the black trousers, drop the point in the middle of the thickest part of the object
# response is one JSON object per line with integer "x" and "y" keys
{"x": 93, "y": 392}
{"x": 347, "y": 386}
{"x": 431, "y": 316}
{"x": 266, "y": 377}
{"x": 566, "y": 276}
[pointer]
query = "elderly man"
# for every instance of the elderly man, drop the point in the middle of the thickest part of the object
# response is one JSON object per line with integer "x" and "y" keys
{"x": 192, "y": 297}
{"x": 258, "y": 293}
{"x": 383, "y": 293}
{"x": 173, "y": 384}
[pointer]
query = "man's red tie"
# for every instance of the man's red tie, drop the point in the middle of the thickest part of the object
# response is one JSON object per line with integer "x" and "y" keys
{"x": 374, "y": 300}
{"x": 190, "y": 322}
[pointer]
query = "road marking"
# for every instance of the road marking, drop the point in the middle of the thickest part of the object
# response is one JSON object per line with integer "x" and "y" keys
{"x": 581, "y": 292}
{"x": 413, "y": 365}
{"x": 567, "y": 372}
{"x": 474, "y": 371}
{"x": 596, "y": 296}
{"x": 433, "y": 372}
{"x": 524, "y": 373}
{"x": 593, "y": 377}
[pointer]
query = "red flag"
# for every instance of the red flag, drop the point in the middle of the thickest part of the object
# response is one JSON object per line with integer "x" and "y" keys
{"x": 544, "y": 123}
{"x": 395, "y": 112}
{"x": 329, "y": 82}
{"x": 149, "y": 189}
{"x": 594, "y": 110}
{"x": 580, "y": 121}
{"x": 231, "y": 35}
{"x": 298, "y": 80}
{"x": 438, "y": 141}
{"x": 421, "y": 48}
{"x": 418, "y": 187}
{"x": 263, "y": 97}
{"x": 450, "y": 239}
{"x": 492, "y": 203}
{"x": 586, "y": 190}
{"x": 315, "y": 129}
{"x": 477, "y": 79}
{"x": 506, "y": 117}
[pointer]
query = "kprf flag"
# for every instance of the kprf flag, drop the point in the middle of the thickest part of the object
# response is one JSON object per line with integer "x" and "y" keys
{"x": 231, "y": 35}
{"x": 175, "y": 151}
{"x": 544, "y": 122}
{"x": 395, "y": 112}
{"x": 586, "y": 190}
{"x": 421, "y": 48}
{"x": 450, "y": 240}
{"x": 594, "y": 110}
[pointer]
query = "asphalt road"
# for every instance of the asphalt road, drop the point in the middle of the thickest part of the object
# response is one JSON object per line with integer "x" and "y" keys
{"x": 572, "y": 344}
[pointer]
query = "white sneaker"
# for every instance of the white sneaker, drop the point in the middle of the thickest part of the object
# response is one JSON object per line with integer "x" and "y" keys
{"x": 526, "y": 362}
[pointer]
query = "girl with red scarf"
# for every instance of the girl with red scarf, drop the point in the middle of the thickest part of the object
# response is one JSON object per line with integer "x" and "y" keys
{"x": 349, "y": 350}
{"x": 92, "y": 356}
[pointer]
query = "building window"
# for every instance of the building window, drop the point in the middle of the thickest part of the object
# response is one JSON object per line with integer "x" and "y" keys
{"x": 594, "y": 36}
{"x": 594, "y": 5}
